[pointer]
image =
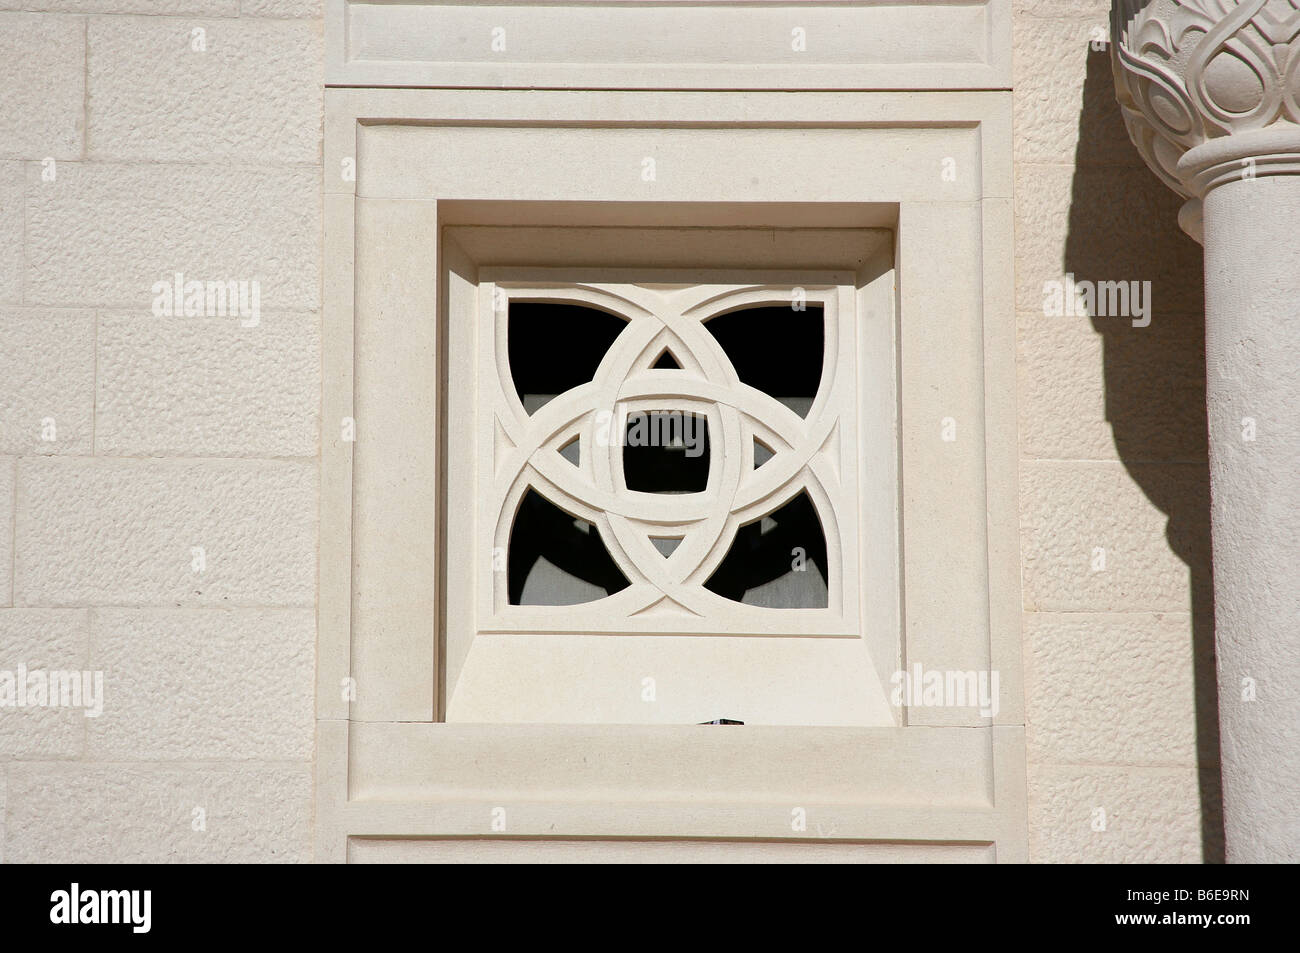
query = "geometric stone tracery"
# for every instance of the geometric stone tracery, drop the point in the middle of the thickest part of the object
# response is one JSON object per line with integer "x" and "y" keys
{"x": 668, "y": 320}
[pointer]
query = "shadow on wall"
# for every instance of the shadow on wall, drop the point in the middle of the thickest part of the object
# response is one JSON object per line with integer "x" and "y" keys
{"x": 1123, "y": 226}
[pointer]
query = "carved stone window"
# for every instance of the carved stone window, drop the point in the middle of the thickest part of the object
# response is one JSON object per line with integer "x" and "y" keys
{"x": 487, "y": 717}
{"x": 667, "y": 462}
{"x": 633, "y": 381}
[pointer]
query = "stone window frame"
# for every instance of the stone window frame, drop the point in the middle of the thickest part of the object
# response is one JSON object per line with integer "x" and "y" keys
{"x": 850, "y": 647}
{"x": 388, "y": 775}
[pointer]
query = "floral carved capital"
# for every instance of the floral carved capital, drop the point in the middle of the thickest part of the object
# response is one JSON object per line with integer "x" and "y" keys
{"x": 1209, "y": 89}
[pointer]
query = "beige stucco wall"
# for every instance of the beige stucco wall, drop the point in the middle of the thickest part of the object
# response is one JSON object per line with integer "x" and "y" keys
{"x": 176, "y": 434}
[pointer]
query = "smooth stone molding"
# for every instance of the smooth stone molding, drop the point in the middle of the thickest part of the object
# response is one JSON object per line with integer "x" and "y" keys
{"x": 520, "y": 850}
{"x": 1210, "y": 92}
{"x": 678, "y": 44}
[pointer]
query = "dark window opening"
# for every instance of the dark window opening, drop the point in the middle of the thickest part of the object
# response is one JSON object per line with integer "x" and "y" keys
{"x": 776, "y": 349}
{"x": 555, "y": 347}
{"x": 556, "y": 559}
{"x": 778, "y": 561}
{"x": 666, "y": 452}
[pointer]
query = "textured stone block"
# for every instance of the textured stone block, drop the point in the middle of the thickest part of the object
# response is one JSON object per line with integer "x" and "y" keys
{"x": 281, "y": 8}
{"x": 42, "y": 71}
{"x": 12, "y": 201}
{"x": 44, "y": 640}
{"x": 252, "y": 91}
{"x": 110, "y": 231}
{"x": 1104, "y": 390}
{"x": 1064, "y": 104}
{"x": 1151, "y": 815}
{"x": 141, "y": 813}
{"x": 204, "y": 684}
{"x": 1110, "y": 688}
{"x": 124, "y": 532}
{"x": 47, "y": 361}
{"x": 1093, "y": 9}
{"x": 1103, "y": 224}
{"x": 208, "y": 386}
{"x": 215, "y": 8}
{"x": 1109, "y": 537}
{"x": 7, "y": 466}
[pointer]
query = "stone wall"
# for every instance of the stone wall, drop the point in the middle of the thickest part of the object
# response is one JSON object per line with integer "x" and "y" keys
{"x": 133, "y": 147}
{"x": 1119, "y": 666}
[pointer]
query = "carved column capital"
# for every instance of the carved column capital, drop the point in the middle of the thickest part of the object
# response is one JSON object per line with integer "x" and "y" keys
{"x": 1210, "y": 90}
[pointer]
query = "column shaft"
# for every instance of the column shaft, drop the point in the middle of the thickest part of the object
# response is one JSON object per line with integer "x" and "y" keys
{"x": 1252, "y": 316}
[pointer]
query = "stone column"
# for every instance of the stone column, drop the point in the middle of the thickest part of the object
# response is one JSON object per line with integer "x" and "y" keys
{"x": 1210, "y": 91}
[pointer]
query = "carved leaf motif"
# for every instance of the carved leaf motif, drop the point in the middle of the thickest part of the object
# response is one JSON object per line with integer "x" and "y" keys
{"x": 1187, "y": 71}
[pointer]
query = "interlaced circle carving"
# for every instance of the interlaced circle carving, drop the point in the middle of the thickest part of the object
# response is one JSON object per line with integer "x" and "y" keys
{"x": 805, "y": 450}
